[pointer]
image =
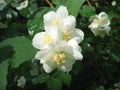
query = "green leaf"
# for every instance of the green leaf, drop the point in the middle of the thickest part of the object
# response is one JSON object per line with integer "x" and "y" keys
{"x": 35, "y": 25}
{"x": 2, "y": 25}
{"x": 6, "y": 52}
{"x": 87, "y": 11}
{"x": 54, "y": 84}
{"x": 65, "y": 78}
{"x": 74, "y": 6}
{"x": 8, "y": 1}
{"x": 59, "y": 2}
{"x": 113, "y": 15}
{"x": 115, "y": 57}
{"x": 41, "y": 78}
{"x": 3, "y": 74}
{"x": 23, "y": 48}
{"x": 100, "y": 88}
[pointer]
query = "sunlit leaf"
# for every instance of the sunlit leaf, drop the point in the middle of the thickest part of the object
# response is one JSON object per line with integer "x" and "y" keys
{"x": 3, "y": 74}
{"x": 87, "y": 11}
{"x": 23, "y": 48}
{"x": 74, "y": 6}
{"x": 59, "y": 2}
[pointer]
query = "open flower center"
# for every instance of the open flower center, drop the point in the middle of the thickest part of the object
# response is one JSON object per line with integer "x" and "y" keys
{"x": 59, "y": 58}
{"x": 104, "y": 22}
{"x": 56, "y": 22}
{"x": 48, "y": 39}
{"x": 67, "y": 35}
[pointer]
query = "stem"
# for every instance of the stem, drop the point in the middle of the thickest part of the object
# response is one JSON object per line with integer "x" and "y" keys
{"x": 51, "y": 5}
{"x": 97, "y": 4}
{"x": 89, "y": 3}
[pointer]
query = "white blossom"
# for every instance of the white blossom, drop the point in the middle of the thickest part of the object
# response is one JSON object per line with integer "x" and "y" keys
{"x": 42, "y": 40}
{"x": 22, "y": 5}
{"x": 100, "y": 24}
{"x": 58, "y": 44}
{"x": 114, "y": 3}
{"x": 60, "y": 55}
{"x": 58, "y": 26}
{"x": 68, "y": 30}
{"x": 21, "y": 82}
{"x": 63, "y": 23}
{"x": 53, "y": 19}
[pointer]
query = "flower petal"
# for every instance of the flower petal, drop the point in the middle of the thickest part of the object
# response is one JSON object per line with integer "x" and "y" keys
{"x": 41, "y": 55}
{"x": 38, "y": 39}
{"x": 105, "y": 22}
{"x": 92, "y": 18}
{"x": 95, "y": 24}
{"x": 23, "y": 4}
{"x": 49, "y": 20}
{"x": 66, "y": 67}
{"x": 62, "y": 12}
{"x": 49, "y": 17}
{"x": 102, "y": 14}
{"x": 77, "y": 54}
{"x": 68, "y": 23}
{"x": 48, "y": 67}
{"x": 76, "y": 49}
{"x": 78, "y": 35}
{"x": 107, "y": 29}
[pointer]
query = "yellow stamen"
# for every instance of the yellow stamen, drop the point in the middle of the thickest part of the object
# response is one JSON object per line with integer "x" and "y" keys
{"x": 67, "y": 35}
{"x": 56, "y": 22}
{"x": 59, "y": 58}
{"x": 48, "y": 39}
{"x": 103, "y": 22}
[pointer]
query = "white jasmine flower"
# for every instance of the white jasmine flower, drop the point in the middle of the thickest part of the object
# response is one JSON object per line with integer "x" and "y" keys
{"x": 58, "y": 44}
{"x": 42, "y": 40}
{"x": 21, "y": 82}
{"x": 100, "y": 24}
{"x": 60, "y": 55}
{"x": 53, "y": 32}
{"x": 53, "y": 19}
{"x": 68, "y": 30}
{"x": 114, "y": 3}
{"x": 63, "y": 23}
{"x": 22, "y": 5}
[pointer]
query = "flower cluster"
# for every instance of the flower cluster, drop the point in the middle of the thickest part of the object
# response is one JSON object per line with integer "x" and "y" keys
{"x": 58, "y": 44}
{"x": 100, "y": 24}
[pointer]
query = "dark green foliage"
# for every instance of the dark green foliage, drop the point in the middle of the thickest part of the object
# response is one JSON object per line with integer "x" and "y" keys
{"x": 100, "y": 67}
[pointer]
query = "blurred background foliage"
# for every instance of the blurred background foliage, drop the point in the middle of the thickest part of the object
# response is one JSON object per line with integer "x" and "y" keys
{"x": 99, "y": 69}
